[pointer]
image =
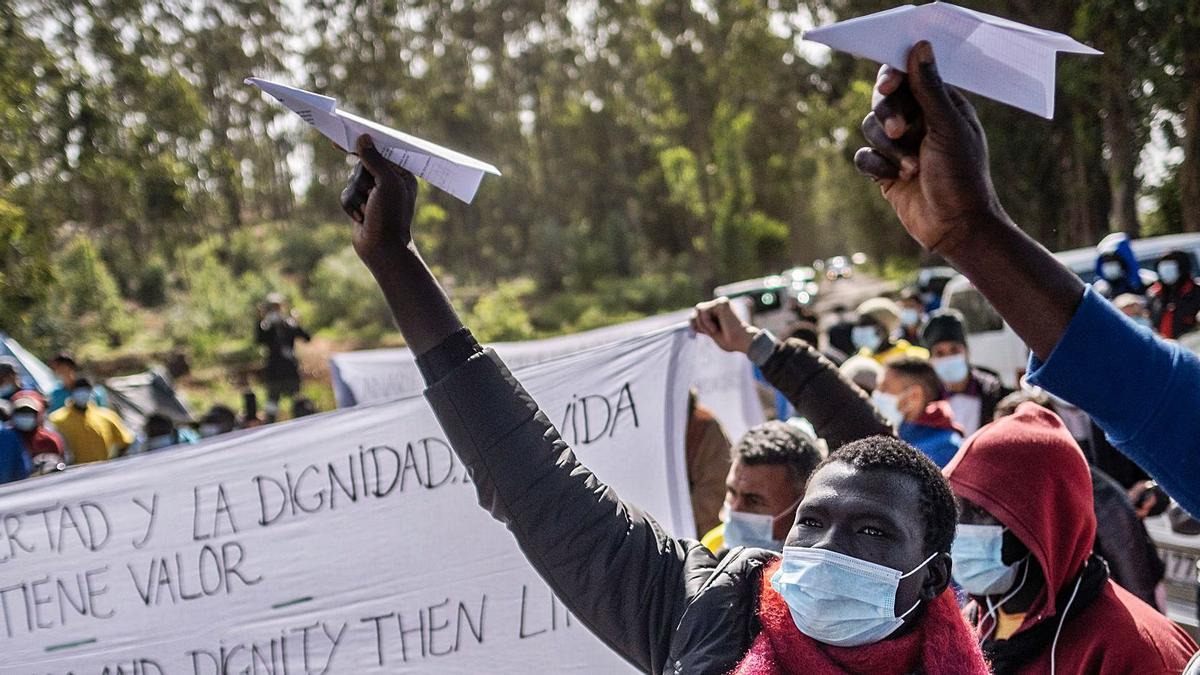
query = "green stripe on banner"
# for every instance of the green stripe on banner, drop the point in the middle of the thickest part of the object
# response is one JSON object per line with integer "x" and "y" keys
{"x": 70, "y": 645}
{"x": 289, "y": 603}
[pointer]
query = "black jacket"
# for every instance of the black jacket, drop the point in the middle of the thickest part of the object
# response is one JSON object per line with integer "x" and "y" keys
{"x": 991, "y": 392}
{"x": 666, "y": 605}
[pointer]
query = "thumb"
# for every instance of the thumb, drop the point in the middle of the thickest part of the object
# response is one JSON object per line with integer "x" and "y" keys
{"x": 372, "y": 159}
{"x": 929, "y": 89}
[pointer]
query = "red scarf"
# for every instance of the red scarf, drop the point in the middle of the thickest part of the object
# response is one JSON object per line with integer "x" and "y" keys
{"x": 941, "y": 644}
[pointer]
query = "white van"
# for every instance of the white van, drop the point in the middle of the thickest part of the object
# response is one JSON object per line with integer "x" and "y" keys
{"x": 994, "y": 345}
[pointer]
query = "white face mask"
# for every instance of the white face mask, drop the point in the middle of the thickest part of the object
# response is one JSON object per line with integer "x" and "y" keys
{"x": 951, "y": 369}
{"x": 81, "y": 397}
{"x": 865, "y": 337}
{"x": 753, "y": 530}
{"x": 1112, "y": 270}
{"x": 888, "y": 406}
{"x": 1168, "y": 272}
{"x": 978, "y": 564}
{"x": 24, "y": 421}
{"x": 838, "y": 599}
{"x": 909, "y": 317}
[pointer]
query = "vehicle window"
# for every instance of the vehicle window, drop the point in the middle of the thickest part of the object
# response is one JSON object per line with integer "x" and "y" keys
{"x": 978, "y": 313}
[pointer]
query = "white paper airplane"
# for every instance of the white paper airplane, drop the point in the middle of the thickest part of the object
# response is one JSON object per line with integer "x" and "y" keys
{"x": 444, "y": 168}
{"x": 993, "y": 57}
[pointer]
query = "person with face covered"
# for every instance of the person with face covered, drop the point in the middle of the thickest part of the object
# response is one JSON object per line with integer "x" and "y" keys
{"x": 861, "y": 586}
{"x": 28, "y": 419}
{"x": 1174, "y": 299}
{"x": 771, "y": 464}
{"x": 873, "y": 334}
{"x": 1117, "y": 270}
{"x": 909, "y": 396}
{"x": 92, "y": 433}
{"x": 971, "y": 391}
{"x": 1042, "y": 601}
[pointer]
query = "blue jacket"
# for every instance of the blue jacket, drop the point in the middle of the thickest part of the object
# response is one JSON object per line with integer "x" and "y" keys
{"x": 1142, "y": 391}
{"x": 14, "y": 462}
{"x": 1118, "y": 243}
{"x": 939, "y": 445}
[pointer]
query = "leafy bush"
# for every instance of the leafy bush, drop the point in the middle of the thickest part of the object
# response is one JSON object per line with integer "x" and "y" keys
{"x": 344, "y": 296}
{"x": 85, "y": 295}
{"x": 498, "y": 316}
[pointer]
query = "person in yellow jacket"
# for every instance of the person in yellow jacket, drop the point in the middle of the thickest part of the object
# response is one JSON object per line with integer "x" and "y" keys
{"x": 92, "y": 433}
{"x": 874, "y": 334}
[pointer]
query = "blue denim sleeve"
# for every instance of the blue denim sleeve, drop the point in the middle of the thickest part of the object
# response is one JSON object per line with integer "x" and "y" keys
{"x": 1144, "y": 392}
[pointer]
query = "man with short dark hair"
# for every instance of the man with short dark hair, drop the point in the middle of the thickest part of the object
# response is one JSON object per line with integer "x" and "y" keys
{"x": 909, "y": 396}
{"x": 971, "y": 391}
{"x": 771, "y": 464}
{"x": 10, "y": 379}
{"x": 66, "y": 370}
{"x": 912, "y": 315}
{"x": 92, "y": 433}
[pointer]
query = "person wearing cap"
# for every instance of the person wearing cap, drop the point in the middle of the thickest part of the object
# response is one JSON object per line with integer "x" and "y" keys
{"x": 1135, "y": 307}
{"x": 1042, "y": 601}
{"x": 1175, "y": 297}
{"x": 28, "y": 419}
{"x": 971, "y": 390}
{"x": 66, "y": 370}
{"x": 878, "y": 321}
{"x": 10, "y": 379}
{"x": 278, "y": 332}
{"x": 92, "y": 433}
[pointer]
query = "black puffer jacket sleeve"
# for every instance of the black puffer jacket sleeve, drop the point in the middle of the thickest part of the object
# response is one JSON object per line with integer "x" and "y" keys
{"x": 611, "y": 564}
{"x": 839, "y": 411}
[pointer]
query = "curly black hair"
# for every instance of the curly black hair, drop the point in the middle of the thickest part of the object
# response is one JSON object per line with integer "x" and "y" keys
{"x": 938, "y": 507}
{"x": 778, "y": 442}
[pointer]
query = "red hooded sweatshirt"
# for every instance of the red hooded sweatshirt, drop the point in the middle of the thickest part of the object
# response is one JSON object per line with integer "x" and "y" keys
{"x": 1027, "y": 471}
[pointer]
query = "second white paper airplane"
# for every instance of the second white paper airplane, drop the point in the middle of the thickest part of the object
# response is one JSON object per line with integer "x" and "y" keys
{"x": 444, "y": 168}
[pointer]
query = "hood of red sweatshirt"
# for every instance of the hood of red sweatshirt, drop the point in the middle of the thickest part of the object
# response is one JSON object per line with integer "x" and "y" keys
{"x": 939, "y": 415}
{"x": 1029, "y": 473}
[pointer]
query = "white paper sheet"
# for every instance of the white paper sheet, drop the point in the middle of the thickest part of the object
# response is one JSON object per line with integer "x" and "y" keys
{"x": 444, "y": 168}
{"x": 991, "y": 56}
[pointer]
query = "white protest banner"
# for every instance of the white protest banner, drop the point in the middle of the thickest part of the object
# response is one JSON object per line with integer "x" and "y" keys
{"x": 724, "y": 382}
{"x": 349, "y": 542}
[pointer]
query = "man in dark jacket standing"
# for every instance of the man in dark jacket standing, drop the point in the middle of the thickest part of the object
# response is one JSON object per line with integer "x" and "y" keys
{"x": 1174, "y": 298}
{"x": 861, "y": 586}
{"x": 972, "y": 391}
{"x": 278, "y": 332}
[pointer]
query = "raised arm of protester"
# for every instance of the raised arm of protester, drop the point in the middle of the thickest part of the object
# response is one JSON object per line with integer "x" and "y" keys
{"x": 609, "y": 562}
{"x": 928, "y": 152}
{"x": 839, "y": 411}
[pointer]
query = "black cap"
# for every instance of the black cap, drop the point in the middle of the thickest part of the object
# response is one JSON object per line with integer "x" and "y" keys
{"x": 944, "y": 325}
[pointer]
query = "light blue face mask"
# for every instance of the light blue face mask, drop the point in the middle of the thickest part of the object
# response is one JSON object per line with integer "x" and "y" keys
{"x": 753, "y": 530}
{"x": 978, "y": 564}
{"x": 951, "y": 369}
{"x": 7, "y": 389}
{"x": 865, "y": 337}
{"x": 838, "y": 599}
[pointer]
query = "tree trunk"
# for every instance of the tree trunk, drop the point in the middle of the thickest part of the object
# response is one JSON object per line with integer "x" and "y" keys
{"x": 1189, "y": 170}
{"x": 1122, "y": 159}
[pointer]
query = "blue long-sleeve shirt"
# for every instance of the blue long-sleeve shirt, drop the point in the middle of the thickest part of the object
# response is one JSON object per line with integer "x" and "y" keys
{"x": 1144, "y": 392}
{"x": 14, "y": 461}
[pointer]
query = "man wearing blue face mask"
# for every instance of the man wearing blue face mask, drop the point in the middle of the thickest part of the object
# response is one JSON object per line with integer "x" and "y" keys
{"x": 771, "y": 464}
{"x": 877, "y": 512}
{"x": 1043, "y": 601}
{"x": 872, "y": 335}
{"x": 1175, "y": 298}
{"x": 972, "y": 391}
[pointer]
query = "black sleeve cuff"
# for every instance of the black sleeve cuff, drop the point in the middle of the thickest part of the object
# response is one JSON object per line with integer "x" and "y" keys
{"x": 447, "y": 355}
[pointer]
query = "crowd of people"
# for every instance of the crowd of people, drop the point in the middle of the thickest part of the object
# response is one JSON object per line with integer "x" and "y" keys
{"x": 75, "y": 422}
{"x": 910, "y": 513}
{"x": 939, "y": 524}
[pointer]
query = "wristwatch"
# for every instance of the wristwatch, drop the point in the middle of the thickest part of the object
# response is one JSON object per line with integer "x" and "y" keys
{"x": 761, "y": 348}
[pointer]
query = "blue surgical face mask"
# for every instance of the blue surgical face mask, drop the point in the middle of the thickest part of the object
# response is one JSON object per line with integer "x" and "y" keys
{"x": 865, "y": 337}
{"x": 753, "y": 530}
{"x": 7, "y": 389}
{"x": 838, "y": 599}
{"x": 24, "y": 421}
{"x": 888, "y": 406}
{"x": 1168, "y": 272}
{"x": 81, "y": 397}
{"x": 1112, "y": 271}
{"x": 978, "y": 564}
{"x": 159, "y": 442}
{"x": 909, "y": 317}
{"x": 1143, "y": 321}
{"x": 951, "y": 369}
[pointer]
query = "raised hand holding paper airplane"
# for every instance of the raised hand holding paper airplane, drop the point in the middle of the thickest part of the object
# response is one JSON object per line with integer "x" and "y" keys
{"x": 993, "y": 57}
{"x": 444, "y": 168}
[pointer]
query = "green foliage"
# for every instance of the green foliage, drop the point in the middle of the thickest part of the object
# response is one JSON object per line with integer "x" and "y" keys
{"x": 86, "y": 294}
{"x": 345, "y": 297}
{"x": 24, "y": 270}
{"x": 498, "y": 316}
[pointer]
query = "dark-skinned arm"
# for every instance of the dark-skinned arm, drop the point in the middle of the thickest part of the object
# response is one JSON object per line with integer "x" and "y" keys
{"x": 838, "y": 410}
{"x": 609, "y": 562}
{"x": 928, "y": 152}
